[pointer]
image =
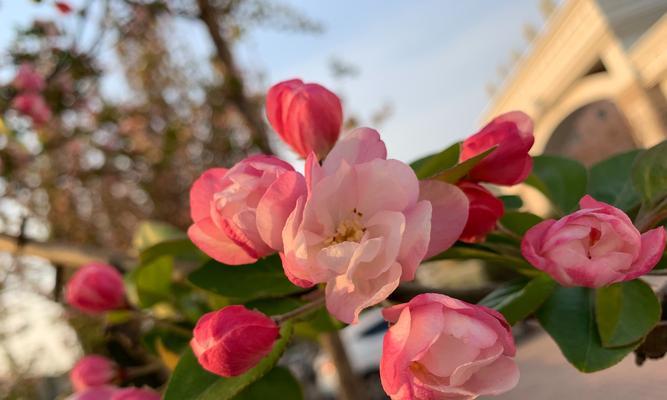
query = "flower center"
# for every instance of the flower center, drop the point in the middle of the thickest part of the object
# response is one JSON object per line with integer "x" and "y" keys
{"x": 349, "y": 230}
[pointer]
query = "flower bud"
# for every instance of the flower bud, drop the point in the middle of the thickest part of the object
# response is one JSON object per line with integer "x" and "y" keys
{"x": 484, "y": 212}
{"x": 230, "y": 341}
{"x": 509, "y": 163}
{"x": 32, "y": 105}
{"x": 593, "y": 247}
{"x": 92, "y": 371}
{"x": 96, "y": 288}
{"x": 307, "y": 116}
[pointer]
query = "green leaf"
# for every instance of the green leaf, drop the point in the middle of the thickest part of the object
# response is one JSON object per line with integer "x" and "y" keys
{"x": 150, "y": 283}
{"x": 519, "y": 222}
{"x": 182, "y": 249}
{"x": 191, "y": 382}
{"x": 569, "y": 318}
{"x": 511, "y": 202}
{"x": 563, "y": 181}
{"x": 467, "y": 253}
{"x": 149, "y": 233}
{"x": 264, "y": 279}
{"x": 455, "y": 173}
{"x": 610, "y": 181}
{"x": 649, "y": 173}
{"x": 309, "y": 326}
{"x": 625, "y": 312}
{"x": 518, "y": 299}
{"x": 431, "y": 165}
{"x": 279, "y": 383}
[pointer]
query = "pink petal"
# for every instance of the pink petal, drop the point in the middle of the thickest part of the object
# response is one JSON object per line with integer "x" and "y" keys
{"x": 276, "y": 205}
{"x": 205, "y": 235}
{"x": 393, "y": 365}
{"x": 415, "y": 239}
{"x": 385, "y": 185}
{"x": 531, "y": 245}
{"x": 652, "y": 249}
{"x": 358, "y": 146}
{"x": 449, "y": 214}
{"x": 202, "y": 191}
{"x": 494, "y": 379}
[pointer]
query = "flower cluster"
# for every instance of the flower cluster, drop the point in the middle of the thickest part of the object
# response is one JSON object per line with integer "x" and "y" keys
{"x": 358, "y": 224}
{"x": 29, "y": 100}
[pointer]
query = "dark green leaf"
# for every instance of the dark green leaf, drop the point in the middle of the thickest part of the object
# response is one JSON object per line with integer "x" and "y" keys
{"x": 455, "y": 173}
{"x": 569, "y": 318}
{"x": 625, "y": 312}
{"x": 151, "y": 283}
{"x": 279, "y": 383}
{"x": 610, "y": 181}
{"x": 467, "y": 253}
{"x": 563, "y": 181}
{"x": 149, "y": 233}
{"x": 431, "y": 165}
{"x": 181, "y": 249}
{"x": 518, "y": 299}
{"x": 511, "y": 202}
{"x": 519, "y": 222}
{"x": 649, "y": 173}
{"x": 191, "y": 382}
{"x": 264, "y": 279}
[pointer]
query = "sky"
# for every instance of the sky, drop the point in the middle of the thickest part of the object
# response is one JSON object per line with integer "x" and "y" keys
{"x": 429, "y": 59}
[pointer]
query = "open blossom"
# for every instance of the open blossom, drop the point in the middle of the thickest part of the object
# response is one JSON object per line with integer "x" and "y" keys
{"x": 239, "y": 213}
{"x": 133, "y": 393}
{"x": 32, "y": 105}
{"x": 439, "y": 347}
{"x": 28, "y": 79}
{"x": 230, "y": 341}
{"x": 484, "y": 212}
{"x": 593, "y": 247}
{"x": 96, "y": 288}
{"x": 366, "y": 224}
{"x": 307, "y": 116}
{"x": 92, "y": 371}
{"x": 509, "y": 163}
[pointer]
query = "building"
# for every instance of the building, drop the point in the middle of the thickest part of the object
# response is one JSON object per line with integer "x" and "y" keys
{"x": 594, "y": 79}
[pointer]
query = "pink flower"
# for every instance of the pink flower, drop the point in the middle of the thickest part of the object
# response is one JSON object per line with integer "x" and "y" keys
{"x": 484, "y": 212}
{"x": 28, "y": 79}
{"x": 92, "y": 371}
{"x": 307, "y": 116}
{"x": 94, "y": 393}
{"x": 239, "y": 213}
{"x": 33, "y": 106}
{"x": 230, "y": 341}
{"x": 442, "y": 348}
{"x": 509, "y": 163}
{"x": 96, "y": 288}
{"x": 133, "y": 393}
{"x": 365, "y": 224}
{"x": 592, "y": 247}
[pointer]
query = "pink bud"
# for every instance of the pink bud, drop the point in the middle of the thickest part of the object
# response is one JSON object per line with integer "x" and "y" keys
{"x": 509, "y": 163}
{"x": 96, "y": 288}
{"x": 28, "y": 79}
{"x": 92, "y": 371}
{"x": 136, "y": 394}
{"x": 33, "y": 106}
{"x": 63, "y": 7}
{"x": 307, "y": 116}
{"x": 230, "y": 341}
{"x": 484, "y": 212}
{"x": 593, "y": 247}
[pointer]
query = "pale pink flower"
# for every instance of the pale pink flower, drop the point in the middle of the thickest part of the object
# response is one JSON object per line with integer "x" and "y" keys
{"x": 365, "y": 225}
{"x": 439, "y": 347}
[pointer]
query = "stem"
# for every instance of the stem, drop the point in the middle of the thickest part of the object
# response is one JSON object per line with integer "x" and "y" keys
{"x": 300, "y": 311}
{"x": 350, "y": 387}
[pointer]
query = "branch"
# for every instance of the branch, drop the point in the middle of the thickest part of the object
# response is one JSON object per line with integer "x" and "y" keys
{"x": 63, "y": 254}
{"x": 233, "y": 81}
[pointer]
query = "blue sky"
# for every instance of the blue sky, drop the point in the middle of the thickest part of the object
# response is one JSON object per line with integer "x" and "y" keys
{"x": 429, "y": 59}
